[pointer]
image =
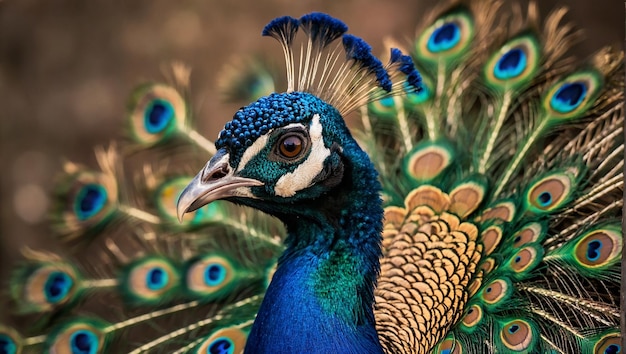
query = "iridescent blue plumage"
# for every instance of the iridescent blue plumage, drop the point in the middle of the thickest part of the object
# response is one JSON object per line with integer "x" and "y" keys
{"x": 267, "y": 113}
{"x": 314, "y": 273}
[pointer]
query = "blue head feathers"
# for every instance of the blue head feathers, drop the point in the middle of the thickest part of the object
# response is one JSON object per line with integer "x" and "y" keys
{"x": 267, "y": 113}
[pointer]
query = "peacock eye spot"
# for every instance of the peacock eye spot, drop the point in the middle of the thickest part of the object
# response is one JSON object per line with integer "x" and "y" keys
{"x": 612, "y": 349}
{"x": 7, "y": 345}
{"x": 57, "y": 286}
{"x": 569, "y": 96}
{"x": 290, "y": 146}
{"x": 214, "y": 274}
{"x": 513, "y": 329}
{"x": 511, "y": 64}
{"x": 156, "y": 278}
{"x": 444, "y": 37}
{"x": 221, "y": 346}
{"x": 158, "y": 116}
{"x": 593, "y": 250}
{"x": 545, "y": 198}
{"x": 83, "y": 342}
{"x": 90, "y": 201}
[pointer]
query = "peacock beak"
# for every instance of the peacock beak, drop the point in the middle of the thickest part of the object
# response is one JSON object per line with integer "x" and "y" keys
{"x": 217, "y": 180}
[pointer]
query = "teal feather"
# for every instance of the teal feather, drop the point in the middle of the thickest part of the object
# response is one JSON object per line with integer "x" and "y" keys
{"x": 501, "y": 180}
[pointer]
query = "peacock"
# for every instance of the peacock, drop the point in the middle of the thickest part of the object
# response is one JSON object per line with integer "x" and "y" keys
{"x": 474, "y": 207}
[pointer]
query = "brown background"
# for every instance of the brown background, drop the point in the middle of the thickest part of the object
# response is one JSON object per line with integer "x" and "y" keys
{"x": 67, "y": 67}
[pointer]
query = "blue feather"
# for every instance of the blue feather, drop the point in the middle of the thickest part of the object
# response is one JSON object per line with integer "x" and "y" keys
{"x": 361, "y": 53}
{"x": 322, "y": 28}
{"x": 283, "y": 29}
{"x": 413, "y": 77}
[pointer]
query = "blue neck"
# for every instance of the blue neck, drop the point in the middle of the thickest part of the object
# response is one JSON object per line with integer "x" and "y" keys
{"x": 320, "y": 299}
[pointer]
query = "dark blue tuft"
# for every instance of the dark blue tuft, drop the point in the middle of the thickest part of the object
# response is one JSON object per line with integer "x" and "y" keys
{"x": 322, "y": 28}
{"x": 283, "y": 29}
{"x": 396, "y": 55}
{"x": 361, "y": 52}
{"x": 407, "y": 67}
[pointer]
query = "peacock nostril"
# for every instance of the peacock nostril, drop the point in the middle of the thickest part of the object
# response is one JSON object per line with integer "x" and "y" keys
{"x": 212, "y": 173}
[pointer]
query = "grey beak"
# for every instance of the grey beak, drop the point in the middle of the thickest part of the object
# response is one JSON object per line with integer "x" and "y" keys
{"x": 217, "y": 180}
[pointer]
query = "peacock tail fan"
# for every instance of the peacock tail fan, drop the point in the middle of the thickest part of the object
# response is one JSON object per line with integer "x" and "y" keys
{"x": 503, "y": 226}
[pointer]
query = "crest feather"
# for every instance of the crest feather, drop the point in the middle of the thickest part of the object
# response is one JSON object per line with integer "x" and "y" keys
{"x": 345, "y": 82}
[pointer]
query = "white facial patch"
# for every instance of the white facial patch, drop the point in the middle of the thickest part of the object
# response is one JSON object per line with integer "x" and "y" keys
{"x": 252, "y": 151}
{"x": 302, "y": 177}
{"x": 257, "y": 146}
{"x": 243, "y": 192}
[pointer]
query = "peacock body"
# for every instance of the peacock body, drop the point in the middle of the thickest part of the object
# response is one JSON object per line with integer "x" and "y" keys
{"x": 477, "y": 209}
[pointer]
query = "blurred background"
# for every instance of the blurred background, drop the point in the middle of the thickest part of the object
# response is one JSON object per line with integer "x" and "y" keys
{"x": 67, "y": 68}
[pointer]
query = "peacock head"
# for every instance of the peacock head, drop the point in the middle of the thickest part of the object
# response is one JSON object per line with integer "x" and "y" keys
{"x": 282, "y": 149}
{"x": 291, "y": 149}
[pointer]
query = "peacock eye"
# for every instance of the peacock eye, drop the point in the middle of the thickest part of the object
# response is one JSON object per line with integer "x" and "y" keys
{"x": 290, "y": 146}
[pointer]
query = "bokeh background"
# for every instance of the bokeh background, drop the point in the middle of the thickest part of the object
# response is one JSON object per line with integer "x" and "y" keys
{"x": 67, "y": 68}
